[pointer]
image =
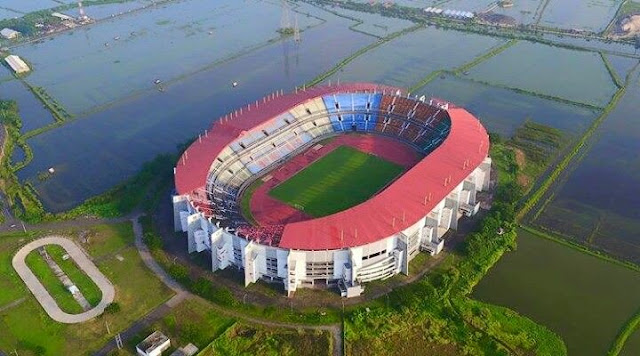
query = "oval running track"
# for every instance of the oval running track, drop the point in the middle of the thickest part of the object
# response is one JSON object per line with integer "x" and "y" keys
{"x": 43, "y": 296}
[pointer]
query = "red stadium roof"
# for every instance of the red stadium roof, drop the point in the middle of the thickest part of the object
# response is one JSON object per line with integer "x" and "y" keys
{"x": 193, "y": 168}
{"x": 399, "y": 206}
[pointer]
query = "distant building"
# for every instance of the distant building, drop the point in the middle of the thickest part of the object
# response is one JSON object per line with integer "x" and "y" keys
{"x": 153, "y": 345}
{"x": 505, "y": 3}
{"x": 17, "y": 64}
{"x": 9, "y": 33}
{"x": 62, "y": 16}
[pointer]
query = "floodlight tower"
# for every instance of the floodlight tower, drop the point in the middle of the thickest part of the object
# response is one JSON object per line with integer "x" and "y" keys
{"x": 296, "y": 31}
{"x": 285, "y": 21}
{"x": 81, "y": 10}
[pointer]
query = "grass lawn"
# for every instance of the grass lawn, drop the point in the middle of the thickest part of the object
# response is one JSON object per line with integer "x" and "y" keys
{"x": 632, "y": 346}
{"x": 198, "y": 322}
{"x": 9, "y": 290}
{"x": 86, "y": 285}
{"x": 584, "y": 299}
{"x": 244, "y": 339}
{"x": 343, "y": 178}
{"x": 192, "y": 321}
{"x": 52, "y": 284}
{"x": 28, "y": 329}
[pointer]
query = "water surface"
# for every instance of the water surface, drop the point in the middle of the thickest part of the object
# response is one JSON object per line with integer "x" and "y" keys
{"x": 94, "y": 153}
{"x": 582, "y": 298}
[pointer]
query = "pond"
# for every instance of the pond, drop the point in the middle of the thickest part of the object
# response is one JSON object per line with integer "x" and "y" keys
{"x": 598, "y": 202}
{"x": 573, "y": 75}
{"x": 503, "y": 111}
{"x": 584, "y": 299}
{"x": 165, "y": 42}
{"x": 94, "y": 153}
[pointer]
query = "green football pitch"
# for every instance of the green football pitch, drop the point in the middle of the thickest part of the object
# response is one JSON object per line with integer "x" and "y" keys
{"x": 343, "y": 178}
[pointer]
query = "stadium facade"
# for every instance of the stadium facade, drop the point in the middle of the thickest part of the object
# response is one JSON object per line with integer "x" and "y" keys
{"x": 372, "y": 240}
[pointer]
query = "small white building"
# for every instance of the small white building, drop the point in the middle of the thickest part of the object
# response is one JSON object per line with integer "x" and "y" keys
{"x": 188, "y": 350}
{"x": 17, "y": 64}
{"x": 154, "y": 345}
{"x": 62, "y": 16}
{"x": 9, "y": 33}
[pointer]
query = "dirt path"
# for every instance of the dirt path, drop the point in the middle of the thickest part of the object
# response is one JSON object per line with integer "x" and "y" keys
{"x": 182, "y": 294}
{"x": 82, "y": 222}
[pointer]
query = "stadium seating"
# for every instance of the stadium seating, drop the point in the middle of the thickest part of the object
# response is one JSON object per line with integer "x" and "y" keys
{"x": 353, "y": 111}
{"x": 267, "y": 145}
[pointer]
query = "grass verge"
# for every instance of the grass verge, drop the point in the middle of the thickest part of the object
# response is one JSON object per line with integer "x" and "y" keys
{"x": 89, "y": 289}
{"x": 52, "y": 284}
{"x": 26, "y": 328}
{"x": 244, "y": 339}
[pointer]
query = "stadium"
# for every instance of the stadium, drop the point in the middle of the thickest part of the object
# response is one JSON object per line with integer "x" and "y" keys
{"x": 334, "y": 185}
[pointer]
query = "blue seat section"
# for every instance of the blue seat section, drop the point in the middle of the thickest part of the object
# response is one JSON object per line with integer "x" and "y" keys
{"x": 374, "y": 106}
{"x": 330, "y": 103}
{"x": 305, "y": 137}
{"x": 359, "y": 102}
{"x": 253, "y": 167}
{"x": 347, "y": 110}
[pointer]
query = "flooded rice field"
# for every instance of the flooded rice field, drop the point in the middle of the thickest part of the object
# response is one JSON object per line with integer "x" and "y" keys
{"x": 597, "y": 203}
{"x": 406, "y": 60}
{"x": 8, "y": 14}
{"x": 165, "y": 43}
{"x": 591, "y": 15}
{"x": 632, "y": 345}
{"x": 94, "y": 153}
{"x": 573, "y": 75}
{"x": 622, "y": 65}
{"x": 373, "y": 24}
{"x": 578, "y": 296}
{"x": 99, "y": 12}
{"x": 22, "y": 6}
{"x": 5, "y": 74}
{"x": 32, "y": 111}
{"x": 503, "y": 110}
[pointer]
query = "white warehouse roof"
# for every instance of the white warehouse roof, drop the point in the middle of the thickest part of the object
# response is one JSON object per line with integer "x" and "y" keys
{"x": 9, "y": 33}
{"x": 17, "y": 64}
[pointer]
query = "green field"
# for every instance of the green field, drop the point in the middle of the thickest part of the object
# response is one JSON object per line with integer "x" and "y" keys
{"x": 192, "y": 321}
{"x": 248, "y": 339}
{"x": 86, "y": 285}
{"x": 52, "y": 284}
{"x": 27, "y": 329}
{"x": 341, "y": 179}
{"x": 197, "y": 321}
{"x": 574, "y": 294}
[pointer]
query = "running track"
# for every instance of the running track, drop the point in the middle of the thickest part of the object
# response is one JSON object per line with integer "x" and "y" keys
{"x": 269, "y": 211}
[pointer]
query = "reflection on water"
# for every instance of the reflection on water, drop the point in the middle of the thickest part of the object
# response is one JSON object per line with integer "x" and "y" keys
{"x": 95, "y": 65}
{"x": 32, "y": 112}
{"x": 503, "y": 110}
{"x": 95, "y": 153}
{"x": 599, "y": 202}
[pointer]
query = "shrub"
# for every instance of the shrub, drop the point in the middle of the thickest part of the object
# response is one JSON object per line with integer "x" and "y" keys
{"x": 112, "y": 308}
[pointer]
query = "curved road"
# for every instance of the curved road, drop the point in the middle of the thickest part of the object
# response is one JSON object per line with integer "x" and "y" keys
{"x": 42, "y": 295}
{"x": 182, "y": 293}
